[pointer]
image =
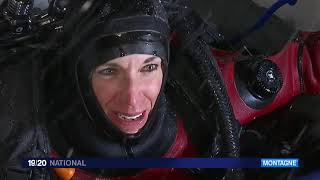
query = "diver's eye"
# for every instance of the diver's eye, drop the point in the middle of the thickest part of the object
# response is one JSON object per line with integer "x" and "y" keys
{"x": 149, "y": 68}
{"x": 107, "y": 71}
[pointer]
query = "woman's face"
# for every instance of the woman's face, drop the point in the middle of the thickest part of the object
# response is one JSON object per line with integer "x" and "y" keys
{"x": 127, "y": 89}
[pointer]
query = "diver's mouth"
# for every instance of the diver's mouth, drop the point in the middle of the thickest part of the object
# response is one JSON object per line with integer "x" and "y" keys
{"x": 130, "y": 117}
{"x": 129, "y": 123}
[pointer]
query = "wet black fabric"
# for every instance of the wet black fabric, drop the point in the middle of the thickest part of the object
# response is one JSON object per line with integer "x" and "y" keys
{"x": 21, "y": 132}
{"x": 17, "y": 126}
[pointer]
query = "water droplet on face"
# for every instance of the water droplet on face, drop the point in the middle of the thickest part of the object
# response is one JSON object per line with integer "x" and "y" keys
{"x": 122, "y": 53}
{"x": 154, "y": 53}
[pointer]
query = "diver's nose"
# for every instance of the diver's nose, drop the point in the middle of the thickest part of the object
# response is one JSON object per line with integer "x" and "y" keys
{"x": 131, "y": 93}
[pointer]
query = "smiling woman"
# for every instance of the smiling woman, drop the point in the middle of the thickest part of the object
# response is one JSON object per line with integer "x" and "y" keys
{"x": 127, "y": 89}
{"x": 121, "y": 76}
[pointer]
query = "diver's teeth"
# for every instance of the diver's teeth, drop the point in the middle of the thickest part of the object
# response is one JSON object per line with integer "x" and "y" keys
{"x": 124, "y": 117}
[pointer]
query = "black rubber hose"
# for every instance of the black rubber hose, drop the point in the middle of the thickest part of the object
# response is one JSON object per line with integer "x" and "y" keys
{"x": 209, "y": 69}
{"x": 202, "y": 58}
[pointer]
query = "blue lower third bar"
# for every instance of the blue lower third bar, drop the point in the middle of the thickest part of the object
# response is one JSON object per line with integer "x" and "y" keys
{"x": 279, "y": 163}
{"x": 145, "y": 162}
{"x": 162, "y": 162}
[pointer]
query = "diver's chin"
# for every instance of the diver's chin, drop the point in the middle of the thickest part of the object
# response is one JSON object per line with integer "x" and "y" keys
{"x": 129, "y": 123}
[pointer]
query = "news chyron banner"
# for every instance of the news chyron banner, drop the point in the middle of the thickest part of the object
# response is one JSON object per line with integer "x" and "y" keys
{"x": 162, "y": 163}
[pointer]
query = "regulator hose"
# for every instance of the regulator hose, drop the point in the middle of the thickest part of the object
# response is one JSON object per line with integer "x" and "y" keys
{"x": 195, "y": 47}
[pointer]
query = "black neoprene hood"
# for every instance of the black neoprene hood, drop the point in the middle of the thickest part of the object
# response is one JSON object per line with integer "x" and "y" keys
{"x": 138, "y": 29}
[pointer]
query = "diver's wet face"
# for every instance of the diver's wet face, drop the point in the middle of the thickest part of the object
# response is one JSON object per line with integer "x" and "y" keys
{"x": 127, "y": 89}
